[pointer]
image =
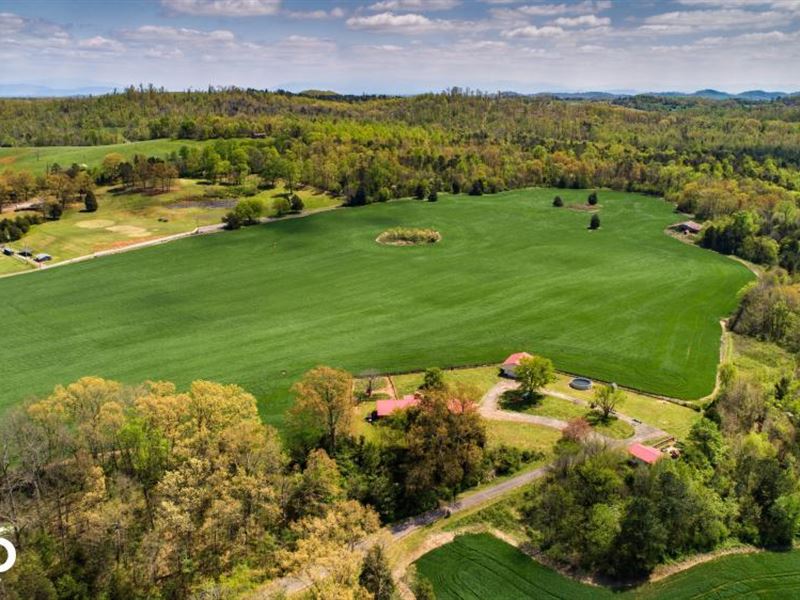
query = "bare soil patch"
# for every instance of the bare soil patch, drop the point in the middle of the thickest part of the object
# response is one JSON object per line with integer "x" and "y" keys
{"x": 585, "y": 207}
{"x": 129, "y": 230}
{"x": 95, "y": 224}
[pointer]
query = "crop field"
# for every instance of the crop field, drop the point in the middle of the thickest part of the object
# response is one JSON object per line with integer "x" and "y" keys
{"x": 482, "y": 566}
{"x": 37, "y": 159}
{"x": 261, "y": 305}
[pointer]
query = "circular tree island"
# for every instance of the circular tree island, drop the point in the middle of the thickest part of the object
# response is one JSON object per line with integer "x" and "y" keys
{"x": 409, "y": 236}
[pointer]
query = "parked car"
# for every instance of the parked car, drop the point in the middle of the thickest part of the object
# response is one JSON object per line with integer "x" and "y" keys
{"x": 25, "y": 253}
{"x": 8, "y": 252}
{"x": 40, "y": 258}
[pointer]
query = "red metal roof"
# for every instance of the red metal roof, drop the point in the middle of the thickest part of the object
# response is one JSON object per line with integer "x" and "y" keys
{"x": 386, "y": 407}
{"x": 644, "y": 453}
{"x": 515, "y": 358}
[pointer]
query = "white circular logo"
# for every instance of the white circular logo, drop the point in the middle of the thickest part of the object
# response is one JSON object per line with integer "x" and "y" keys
{"x": 11, "y": 555}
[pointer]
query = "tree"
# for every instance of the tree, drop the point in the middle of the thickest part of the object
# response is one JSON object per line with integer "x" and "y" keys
{"x": 594, "y": 222}
{"x": 281, "y": 207}
{"x": 558, "y": 202}
{"x": 534, "y": 372}
{"x": 420, "y": 191}
{"x": 296, "y": 203}
{"x": 592, "y": 199}
{"x": 249, "y": 210}
{"x": 323, "y": 407}
{"x": 54, "y": 211}
{"x": 433, "y": 379}
{"x": 445, "y": 442}
{"x": 90, "y": 201}
{"x": 607, "y": 398}
{"x": 376, "y": 576}
{"x": 232, "y": 220}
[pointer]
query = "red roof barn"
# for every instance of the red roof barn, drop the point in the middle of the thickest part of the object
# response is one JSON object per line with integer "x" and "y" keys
{"x": 383, "y": 408}
{"x": 645, "y": 454}
{"x": 510, "y": 365}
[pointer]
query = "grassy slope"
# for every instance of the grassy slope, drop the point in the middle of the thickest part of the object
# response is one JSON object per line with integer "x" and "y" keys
{"x": 36, "y": 160}
{"x": 67, "y": 238}
{"x": 262, "y": 305}
{"x": 482, "y": 566}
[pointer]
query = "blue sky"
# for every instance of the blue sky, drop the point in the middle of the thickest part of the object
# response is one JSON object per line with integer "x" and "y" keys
{"x": 404, "y": 46}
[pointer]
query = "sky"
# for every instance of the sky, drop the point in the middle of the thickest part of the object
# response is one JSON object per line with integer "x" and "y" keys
{"x": 403, "y": 46}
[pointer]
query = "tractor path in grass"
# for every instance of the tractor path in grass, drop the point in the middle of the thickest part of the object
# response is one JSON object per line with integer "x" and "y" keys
{"x": 490, "y": 410}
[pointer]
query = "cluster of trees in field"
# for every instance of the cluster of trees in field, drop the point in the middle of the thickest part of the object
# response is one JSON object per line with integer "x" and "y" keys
{"x": 737, "y": 478}
{"x": 142, "y": 492}
{"x": 12, "y": 230}
{"x": 54, "y": 190}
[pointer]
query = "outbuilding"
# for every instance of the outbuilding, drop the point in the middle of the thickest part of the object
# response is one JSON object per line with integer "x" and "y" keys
{"x": 383, "y": 408}
{"x": 645, "y": 454}
{"x": 509, "y": 367}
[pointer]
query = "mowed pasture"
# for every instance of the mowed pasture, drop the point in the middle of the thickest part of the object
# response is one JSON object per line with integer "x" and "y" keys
{"x": 37, "y": 159}
{"x": 482, "y": 566}
{"x": 261, "y": 305}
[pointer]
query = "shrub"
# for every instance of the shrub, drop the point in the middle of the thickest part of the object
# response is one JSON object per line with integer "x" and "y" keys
{"x": 592, "y": 200}
{"x": 296, "y": 203}
{"x": 558, "y": 202}
{"x": 281, "y": 207}
{"x": 594, "y": 222}
{"x": 54, "y": 211}
{"x": 232, "y": 221}
{"x": 409, "y": 236}
{"x": 249, "y": 211}
{"x": 383, "y": 195}
{"x": 477, "y": 188}
{"x": 90, "y": 201}
{"x": 433, "y": 196}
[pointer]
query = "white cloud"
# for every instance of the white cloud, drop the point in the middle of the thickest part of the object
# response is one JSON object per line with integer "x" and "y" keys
{"x": 406, "y": 24}
{"x": 223, "y": 8}
{"x": 334, "y": 13}
{"x": 551, "y": 10}
{"x": 160, "y": 33}
{"x": 99, "y": 42}
{"x": 532, "y": 31}
{"x": 707, "y": 20}
{"x": 414, "y": 5}
{"x": 583, "y": 21}
{"x": 10, "y": 23}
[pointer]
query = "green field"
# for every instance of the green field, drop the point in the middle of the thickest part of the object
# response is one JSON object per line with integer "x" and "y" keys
{"x": 132, "y": 217}
{"x": 38, "y": 159}
{"x": 482, "y": 566}
{"x": 262, "y": 305}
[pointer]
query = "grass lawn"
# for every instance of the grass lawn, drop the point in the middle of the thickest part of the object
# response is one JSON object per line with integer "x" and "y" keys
{"x": 524, "y": 436}
{"x": 482, "y": 566}
{"x": 564, "y": 410}
{"x": 670, "y": 417}
{"x": 481, "y": 378}
{"x": 36, "y": 160}
{"x": 261, "y": 305}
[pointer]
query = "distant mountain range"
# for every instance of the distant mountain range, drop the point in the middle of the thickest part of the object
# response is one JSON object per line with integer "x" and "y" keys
{"x": 42, "y": 91}
{"x": 751, "y": 95}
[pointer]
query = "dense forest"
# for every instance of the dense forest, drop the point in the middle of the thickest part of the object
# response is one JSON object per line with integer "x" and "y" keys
{"x": 734, "y": 164}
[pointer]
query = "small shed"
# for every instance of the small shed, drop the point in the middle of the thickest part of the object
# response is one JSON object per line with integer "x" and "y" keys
{"x": 509, "y": 367}
{"x": 688, "y": 227}
{"x": 645, "y": 454}
{"x": 383, "y": 408}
